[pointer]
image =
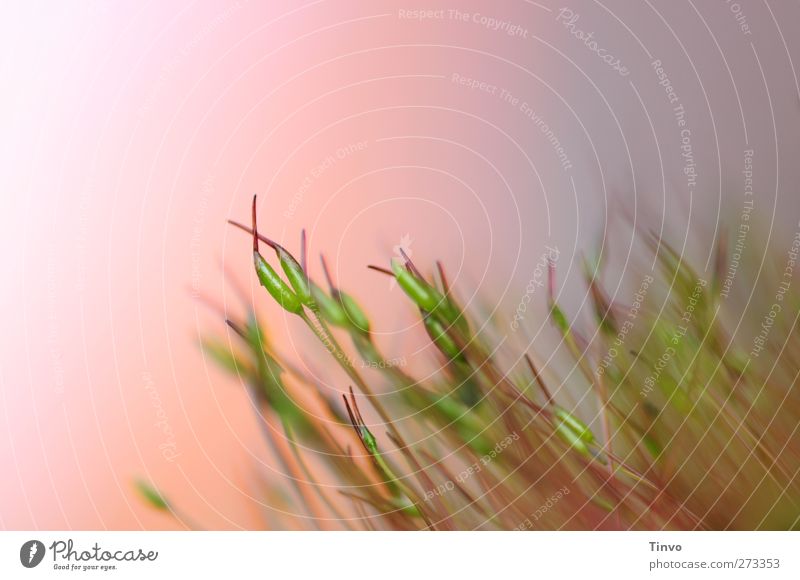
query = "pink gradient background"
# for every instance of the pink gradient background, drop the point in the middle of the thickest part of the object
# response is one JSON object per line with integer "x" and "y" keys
{"x": 131, "y": 133}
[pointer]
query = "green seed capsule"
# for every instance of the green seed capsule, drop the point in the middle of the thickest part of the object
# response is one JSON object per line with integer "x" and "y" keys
{"x": 450, "y": 312}
{"x": 429, "y": 298}
{"x": 152, "y": 495}
{"x": 440, "y": 337}
{"x": 407, "y": 508}
{"x": 268, "y": 368}
{"x": 577, "y": 426}
{"x": 560, "y": 319}
{"x": 357, "y": 421}
{"x": 224, "y": 356}
{"x": 601, "y": 305}
{"x": 296, "y": 276}
{"x": 652, "y": 446}
{"x": 331, "y": 310}
{"x": 353, "y": 312}
{"x": 279, "y": 290}
{"x": 572, "y": 438}
{"x": 605, "y": 504}
{"x": 369, "y": 440}
{"x": 419, "y": 291}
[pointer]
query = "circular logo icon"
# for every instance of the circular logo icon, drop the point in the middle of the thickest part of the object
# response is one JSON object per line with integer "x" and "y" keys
{"x": 31, "y": 553}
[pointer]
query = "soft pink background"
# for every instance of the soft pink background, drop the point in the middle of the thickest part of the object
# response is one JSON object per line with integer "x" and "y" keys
{"x": 131, "y": 132}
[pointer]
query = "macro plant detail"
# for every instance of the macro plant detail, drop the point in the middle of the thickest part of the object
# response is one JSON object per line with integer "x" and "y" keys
{"x": 669, "y": 422}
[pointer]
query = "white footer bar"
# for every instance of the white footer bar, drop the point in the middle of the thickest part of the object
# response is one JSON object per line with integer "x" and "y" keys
{"x": 389, "y": 555}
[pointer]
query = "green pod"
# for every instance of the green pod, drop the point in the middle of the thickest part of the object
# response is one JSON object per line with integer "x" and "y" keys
{"x": 296, "y": 276}
{"x": 429, "y": 298}
{"x": 652, "y": 446}
{"x": 560, "y": 319}
{"x": 277, "y": 288}
{"x": 440, "y": 338}
{"x": 460, "y": 321}
{"x": 366, "y": 348}
{"x": 467, "y": 425}
{"x": 152, "y": 496}
{"x": 269, "y": 387}
{"x": 577, "y": 426}
{"x": 572, "y": 438}
{"x": 353, "y": 312}
{"x": 224, "y": 356}
{"x": 603, "y": 503}
{"x": 409, "y": 509}
{"x": 601, "y": 304}
{"x": 450, "y": 313}
{"x": 369, "y": 440}
{"x": 418, "y": 290}
{"x": 268, "y": 366}
{"x": 332, "y": 311}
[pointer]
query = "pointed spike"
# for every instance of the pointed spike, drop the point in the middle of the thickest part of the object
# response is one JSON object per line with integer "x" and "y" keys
{"x": 327, "y": 273}
{"x": 350, "y": 413}
{"x": 381, "y": 270}
{"x": 394, "y": 440}
{"x": 412, "y": 268}
{"x": 356, "y": 409}
{"x": 263, "y": 238}
{"x": 720, "y": 259}
{"x": 255, "y": 226}
{"x": 235, "y": 328}
{"x": 207, "y": 301}
{"x": 539, "y": 380}
{"x": 551, "y": 281}
{"x": 443, "y": 278}
{"x": 303, "y": 252}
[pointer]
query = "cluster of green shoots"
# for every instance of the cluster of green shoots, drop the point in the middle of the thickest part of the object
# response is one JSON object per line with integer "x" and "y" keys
{"x": 688, "y": 431}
